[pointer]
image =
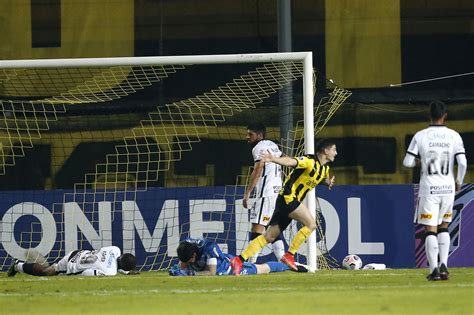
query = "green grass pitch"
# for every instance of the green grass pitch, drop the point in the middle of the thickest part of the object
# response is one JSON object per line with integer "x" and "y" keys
{"x": 402, "y": 291}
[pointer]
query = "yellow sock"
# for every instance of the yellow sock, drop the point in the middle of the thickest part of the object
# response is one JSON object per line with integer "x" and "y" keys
{"x": 255, "y": 245}
{"x": 300, "y": 237}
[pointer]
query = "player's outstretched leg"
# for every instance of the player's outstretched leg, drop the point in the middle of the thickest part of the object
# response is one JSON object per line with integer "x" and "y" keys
{"x": 299, "y": 238}
{"x": 254, "y": 247}
{"x": 33, "y": 269}
{"x": 236, "y": 264}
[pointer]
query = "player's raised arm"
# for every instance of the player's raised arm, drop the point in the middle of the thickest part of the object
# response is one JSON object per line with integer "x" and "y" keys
{"x": 284, "y": 160}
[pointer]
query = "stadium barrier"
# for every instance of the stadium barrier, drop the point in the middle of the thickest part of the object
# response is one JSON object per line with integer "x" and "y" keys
{"x": 374, "y": 222}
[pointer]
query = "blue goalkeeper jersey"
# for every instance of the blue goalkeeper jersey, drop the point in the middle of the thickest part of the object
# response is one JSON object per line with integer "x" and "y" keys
{"x": 207, "y": 250}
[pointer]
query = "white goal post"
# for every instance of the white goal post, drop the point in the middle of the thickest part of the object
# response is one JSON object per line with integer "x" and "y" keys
{"x": 36, "y": 94}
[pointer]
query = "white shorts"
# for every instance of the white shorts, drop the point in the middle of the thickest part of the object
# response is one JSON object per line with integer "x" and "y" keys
{"x": 433, "y": 210}
{"x": 67, "y": 263}
{"x": 262, "y": 210}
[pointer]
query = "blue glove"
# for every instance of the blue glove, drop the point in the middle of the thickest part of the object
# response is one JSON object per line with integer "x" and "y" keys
{"x": 176, "y": 271}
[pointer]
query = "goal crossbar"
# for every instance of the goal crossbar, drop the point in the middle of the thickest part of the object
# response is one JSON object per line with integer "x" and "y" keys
{"x": 159, "y": 60}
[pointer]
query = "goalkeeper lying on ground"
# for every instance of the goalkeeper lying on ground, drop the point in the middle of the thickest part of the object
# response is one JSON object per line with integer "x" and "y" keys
{"x": 201, "y": 257}
{"x": 106, "y": 261}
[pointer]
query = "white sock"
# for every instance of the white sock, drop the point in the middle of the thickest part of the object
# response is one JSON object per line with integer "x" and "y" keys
{"x": 444, "y": 240}
{"x": 432, "y": 250}
{"x": 278, "y": 249}
{"x": 19, "y": 267}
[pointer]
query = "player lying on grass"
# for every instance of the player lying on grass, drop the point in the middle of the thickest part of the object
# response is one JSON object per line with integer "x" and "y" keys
{"x": 201, "y": 257}
{"x": 106, "y": 261}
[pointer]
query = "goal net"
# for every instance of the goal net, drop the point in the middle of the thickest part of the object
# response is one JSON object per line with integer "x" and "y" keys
{"x": 143, "y": 152}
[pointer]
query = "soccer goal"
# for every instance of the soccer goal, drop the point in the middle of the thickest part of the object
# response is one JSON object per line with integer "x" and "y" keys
{"x": 143, "y": 152}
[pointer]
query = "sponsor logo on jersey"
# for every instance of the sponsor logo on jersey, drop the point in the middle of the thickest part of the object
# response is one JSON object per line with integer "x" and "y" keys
{"x": 439, "y": 192}
{"x": 437, "y": 135}
{"x": 427, "y": 216}
{"x": 111, "y": 259}
{"x": 311, "y": 183}
{"x": 266, "y": 218}
{"x": 441, "y": 189}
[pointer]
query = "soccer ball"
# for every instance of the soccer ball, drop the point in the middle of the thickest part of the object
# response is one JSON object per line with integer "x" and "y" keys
{"x": 352, "y": 262}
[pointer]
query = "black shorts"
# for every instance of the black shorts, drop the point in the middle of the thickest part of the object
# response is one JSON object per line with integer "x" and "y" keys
{"x": 282, "y": 212}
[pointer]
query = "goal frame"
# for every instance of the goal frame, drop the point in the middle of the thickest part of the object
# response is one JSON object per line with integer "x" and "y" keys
{"x": 308, "y": 92}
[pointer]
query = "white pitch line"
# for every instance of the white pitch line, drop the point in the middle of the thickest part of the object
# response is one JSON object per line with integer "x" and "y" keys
{"x": 217, "y": 290}
{"x": 367, "y": 273}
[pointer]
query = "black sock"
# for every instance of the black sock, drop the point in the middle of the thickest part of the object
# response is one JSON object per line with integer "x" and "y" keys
{"x": 254, "y": 235}
{"x": 33, "y": 269}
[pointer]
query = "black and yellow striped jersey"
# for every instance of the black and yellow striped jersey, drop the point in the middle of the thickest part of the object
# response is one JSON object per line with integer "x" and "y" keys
{"x": 304, "y": 177}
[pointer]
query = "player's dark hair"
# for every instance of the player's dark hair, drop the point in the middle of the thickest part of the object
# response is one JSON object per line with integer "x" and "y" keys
{"x": 127, "y": 262}
{"x": 324, "y": 144}
{"x": 437, "y": 109}
{"x": 258, "y": 128}
{"x": 186, "y": 251}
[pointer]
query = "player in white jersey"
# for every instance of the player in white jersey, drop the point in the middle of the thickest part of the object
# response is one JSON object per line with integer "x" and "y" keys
{"x": 106, "y": 261}
{"x": 266, "y": 180}
{"x": 434, "y": 149}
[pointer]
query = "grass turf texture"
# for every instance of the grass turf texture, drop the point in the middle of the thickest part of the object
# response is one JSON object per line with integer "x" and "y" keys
{"x": 325, "y": 292}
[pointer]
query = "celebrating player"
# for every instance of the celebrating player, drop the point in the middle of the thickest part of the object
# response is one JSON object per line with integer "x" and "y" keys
{"x": 201, "y": 257}
{"x": 102, "y": 262}
{"x": 266, "y": 180}
{"x": 435, "y": 148}
{"x": 308, "y": 172}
